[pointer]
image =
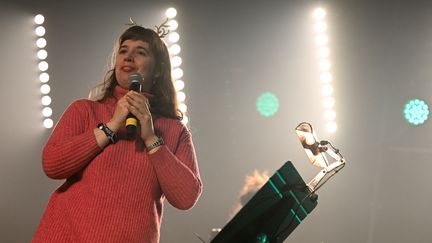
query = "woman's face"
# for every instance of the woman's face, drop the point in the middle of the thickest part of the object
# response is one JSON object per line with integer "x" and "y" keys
{"x": 135, "y": 56}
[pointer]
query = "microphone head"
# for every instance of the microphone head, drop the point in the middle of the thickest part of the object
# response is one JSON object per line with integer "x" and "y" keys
{"x": 135, "y": 81}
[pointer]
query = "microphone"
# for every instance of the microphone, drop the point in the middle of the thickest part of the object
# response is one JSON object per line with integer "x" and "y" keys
{"x": 135, "y": 83}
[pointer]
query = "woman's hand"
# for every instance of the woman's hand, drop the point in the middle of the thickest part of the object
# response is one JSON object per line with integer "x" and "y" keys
{"x": 119, "y": 117}
{"x": 139, "y": 105}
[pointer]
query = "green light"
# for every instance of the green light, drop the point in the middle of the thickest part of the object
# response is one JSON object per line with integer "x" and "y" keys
{"x": 267, "y": 104}
{"x": 416, "y": 112}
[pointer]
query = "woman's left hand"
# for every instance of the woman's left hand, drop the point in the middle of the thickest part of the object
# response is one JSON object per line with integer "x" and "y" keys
{"x": 140, "y": 107}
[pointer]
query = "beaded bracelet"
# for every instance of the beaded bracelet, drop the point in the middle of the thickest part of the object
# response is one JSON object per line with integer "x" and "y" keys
{"x": 156, "y": 144}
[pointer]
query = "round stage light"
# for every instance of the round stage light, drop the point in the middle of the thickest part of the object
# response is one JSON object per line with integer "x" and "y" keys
{"x": 416, "y": 112}
{"x": 267, "y": 104}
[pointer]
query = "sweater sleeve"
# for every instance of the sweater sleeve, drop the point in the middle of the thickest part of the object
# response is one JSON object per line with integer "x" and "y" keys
{"x": 178, "y": 173}
{"x": 71, "y": 146}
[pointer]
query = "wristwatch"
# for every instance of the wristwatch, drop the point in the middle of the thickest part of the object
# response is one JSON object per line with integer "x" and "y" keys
{"x": 108, "y": 132}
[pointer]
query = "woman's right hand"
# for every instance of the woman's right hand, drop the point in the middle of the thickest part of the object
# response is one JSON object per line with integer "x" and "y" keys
{"x": 119, "y": 117}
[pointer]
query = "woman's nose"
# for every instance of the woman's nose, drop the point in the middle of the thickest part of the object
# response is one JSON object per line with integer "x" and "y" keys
{"x": 128, "y": 58}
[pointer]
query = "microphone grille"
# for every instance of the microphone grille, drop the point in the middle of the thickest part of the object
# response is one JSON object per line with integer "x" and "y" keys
{"x": 135, "y": 77}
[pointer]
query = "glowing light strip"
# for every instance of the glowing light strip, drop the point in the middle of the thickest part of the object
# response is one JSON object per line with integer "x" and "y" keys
{"x": 326, "y": 77}
{"x": 42, "y": 54}
{"x": 176, "y": 61}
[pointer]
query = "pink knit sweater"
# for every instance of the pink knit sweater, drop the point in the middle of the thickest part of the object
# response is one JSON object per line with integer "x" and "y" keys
{"x": 114, "y": 194}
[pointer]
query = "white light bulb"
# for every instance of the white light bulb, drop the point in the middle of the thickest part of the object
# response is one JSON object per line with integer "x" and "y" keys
{"x": 321, "y": 40}
{"x": 39, "y": 19}
{"x": 173, "y": 24}
{"x": 181, "y": 96}
{"x": 173, "y": 37}
{"x": 326, "y": 77}
{"x": 171, "y": 13}
{"x": 45, "y": 89}
{"x": 47, "y": 112}
{"x": 330, "y": 115}
{"x": 175, "y": 49}
{"x": 179, "y": 85}
{"x": 325, "y": 65}
{"x": 329, "y": 102}
{"x": 42, "y": 54}
{"x": 331, "y": 127}
{"x": 40, "y": 31}
{"x": 41, "y": 42}
{"x": 176, "y": 61}
{"x": 185, "y": 120}
{"x": 323, "y": 52}
{"x": 48, "y": 123}
{"x": 177, "y": 73}
{"x": 320, "y": 27}
{"x": 46, "y": 100}
{"x": 43, "y": 66}
{"x": 183, "y": 107}
{"x": 327, "y": 90}
{"x": 44, "y": 77}
{"x": 319, "y": 13}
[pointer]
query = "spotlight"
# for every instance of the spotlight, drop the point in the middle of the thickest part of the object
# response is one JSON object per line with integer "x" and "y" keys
{"x": 171, "y": 13}
{"x": 416, "y": 111}
{"x": 40, "y": 31}
{"x": 48, "y": 123}
{"x": 39, "y": 19}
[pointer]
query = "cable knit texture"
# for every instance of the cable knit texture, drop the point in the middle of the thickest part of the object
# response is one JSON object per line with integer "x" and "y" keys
{"x": 114, "y": 194}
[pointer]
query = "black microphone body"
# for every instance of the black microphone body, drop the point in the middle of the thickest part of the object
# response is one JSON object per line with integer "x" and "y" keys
{"x": 135, "y": 83}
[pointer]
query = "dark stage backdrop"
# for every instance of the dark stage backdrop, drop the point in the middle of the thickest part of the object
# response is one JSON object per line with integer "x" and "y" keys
{"x": 232, "y": 52}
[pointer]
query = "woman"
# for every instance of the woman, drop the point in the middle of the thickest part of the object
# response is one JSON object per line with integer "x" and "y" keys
{"x": 115, "y": 186}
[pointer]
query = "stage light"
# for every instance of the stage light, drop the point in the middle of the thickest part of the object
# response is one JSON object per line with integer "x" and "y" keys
{"x": 185, "y": 119}
{"x": 267, "y": 104}
{"x": 177, "y": 73}
{"x": 42, "y": 54}
{"x": 43, "y": 66}
{"x": 45, "y": 89}
{"x": 176, "y": 61}
{"x": 323, "y": 52}
{"x": 171, "y": 13}
{"x": 173, "y": 24}
{"x": 40, "y": 31}
{"x": 331, "y": 127}
{"x": 39, "y": 19}
{"x": 321, "y": 40}
{"x": 319, "y": 13}
{"x": 47, "y": 112}
{"x": 326, "y": 77}
{"x": 173, "y": 37}
{"x": 174, "y": 49}
{"x": 416, "y": 111}
{"x": 327, "y": 90}
{"x": 41, "y": 42}
{"x": 329, "y": 102}
{"x": 48, "y": 123}
{"x": 181, "y": 96}
{"x": 183, "y": 107}
{"x": 44, "y": 77}
{"x": 179, "y": 85}
{"x": 46, "y": 100}
{"x": 325, "y": 65}
{"x": 330, "y": 115}
{"x": 320, "y": 27}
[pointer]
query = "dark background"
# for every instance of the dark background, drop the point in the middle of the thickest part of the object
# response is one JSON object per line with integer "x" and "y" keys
{"x": 232, "y": 52}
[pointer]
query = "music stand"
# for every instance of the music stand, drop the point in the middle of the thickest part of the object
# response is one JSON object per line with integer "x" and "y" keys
{"x": 273, "y": 212}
